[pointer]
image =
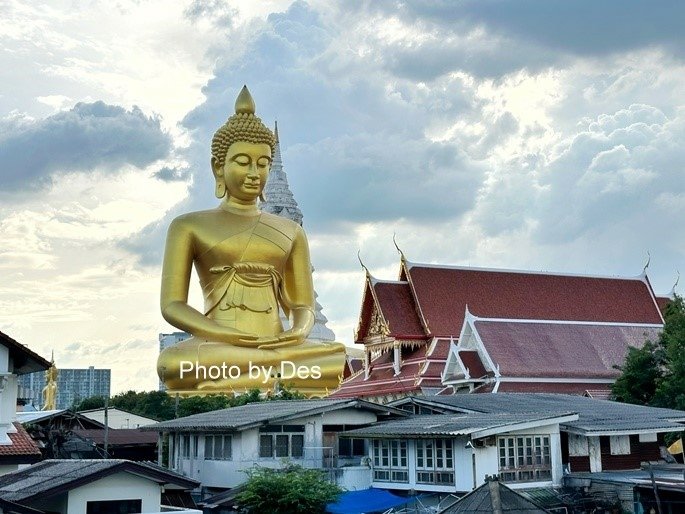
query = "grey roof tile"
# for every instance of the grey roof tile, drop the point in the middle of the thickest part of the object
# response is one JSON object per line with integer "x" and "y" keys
{"x": 481, "y": 501}
{"x": 236, "y": 418}
{"x": 450, "y": 424}
{"x": 593, "y": 415}
{"x": 49, "y": 476}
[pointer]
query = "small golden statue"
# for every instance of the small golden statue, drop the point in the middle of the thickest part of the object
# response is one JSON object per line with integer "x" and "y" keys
{"x": 50, "y": 389}
{"x": 249, "y": 263}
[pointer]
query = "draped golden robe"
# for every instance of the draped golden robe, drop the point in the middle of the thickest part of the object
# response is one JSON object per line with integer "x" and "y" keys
{"x": 248, "y": 267}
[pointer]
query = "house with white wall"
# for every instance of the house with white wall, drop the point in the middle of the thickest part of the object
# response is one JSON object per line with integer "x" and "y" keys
{"x": 93, "y": 487}
{"x": 16, "y": 446}
{"x": 607, "y": 436}
{"x": 216, "y": 448}
{"x": 117, "y": 418}
{"x": 454, "y": 453}
{"x": 452, "y": 443}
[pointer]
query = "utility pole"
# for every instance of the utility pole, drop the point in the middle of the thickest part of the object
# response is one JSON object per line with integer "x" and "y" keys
{"x": 106, "y": 426}
{"x": 656, "y": 490}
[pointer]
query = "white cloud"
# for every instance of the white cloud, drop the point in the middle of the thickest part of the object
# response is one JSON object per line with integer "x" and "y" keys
{"x": 506, "y": 138}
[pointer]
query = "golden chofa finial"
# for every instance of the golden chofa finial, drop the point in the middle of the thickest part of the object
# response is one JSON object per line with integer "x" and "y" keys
{"x": 244, "y": 104}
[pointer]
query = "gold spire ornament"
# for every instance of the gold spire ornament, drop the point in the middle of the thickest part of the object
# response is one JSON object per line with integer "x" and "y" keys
{"x": 251, "y": 265}
{"x": 244, "y": 104}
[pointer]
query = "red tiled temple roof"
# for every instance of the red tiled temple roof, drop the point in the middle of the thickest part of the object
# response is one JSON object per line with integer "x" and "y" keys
{"x": 471, "y": 360}
{"x": 663, "y": 301}
{"x": 444, "y": 292}
{"x": 545, "y": 387}
{"x": 419, "y": 369}
{"x": 439, "y": 296}
{"x": 22, "y": 446}
{"x": 398, "y": 307}
{"x": 560, "y": 350}
{"x": 396, "y": 303}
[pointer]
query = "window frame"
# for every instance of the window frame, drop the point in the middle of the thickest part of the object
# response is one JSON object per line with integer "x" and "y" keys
{"x": 287, "y": 438}
{"x": 525, "y": 458}
{"x": 352, "y": 447}
{"x": 390, "y": 460}
{"x": 435, "y": 461}
{"x": 226, "y": 442}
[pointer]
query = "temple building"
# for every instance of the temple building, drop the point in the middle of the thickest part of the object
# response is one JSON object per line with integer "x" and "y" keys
{"x": 279, "y": 200}
{"x": 453, "y": 329}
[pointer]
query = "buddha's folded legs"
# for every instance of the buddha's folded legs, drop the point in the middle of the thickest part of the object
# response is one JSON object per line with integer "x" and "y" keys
{"x": 199, "y": 365}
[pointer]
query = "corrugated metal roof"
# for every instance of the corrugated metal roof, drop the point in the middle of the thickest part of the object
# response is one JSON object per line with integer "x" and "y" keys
{"x": 481, "y": 501}
{"x": 594, "y": 416}
{"x": 252, "y": 414}
{"x": 53, "y": 476}
{"x": 448, "y": 424}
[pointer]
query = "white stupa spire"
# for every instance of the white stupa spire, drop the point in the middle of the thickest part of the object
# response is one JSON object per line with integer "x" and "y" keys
{"x": 279, "y": 200}
{"x": 278, "y": 197}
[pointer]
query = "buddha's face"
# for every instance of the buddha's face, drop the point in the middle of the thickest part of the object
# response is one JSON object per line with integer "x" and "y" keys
{"x": 245, "y": 170}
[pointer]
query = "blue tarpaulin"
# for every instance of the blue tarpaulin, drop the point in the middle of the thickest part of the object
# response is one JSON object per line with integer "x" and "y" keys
{"x": 368, "y": 500}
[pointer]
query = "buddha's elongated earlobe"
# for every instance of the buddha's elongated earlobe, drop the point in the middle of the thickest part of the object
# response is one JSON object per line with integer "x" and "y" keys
{"x": 262, "y": 198}
{"x": 220, "y": 190}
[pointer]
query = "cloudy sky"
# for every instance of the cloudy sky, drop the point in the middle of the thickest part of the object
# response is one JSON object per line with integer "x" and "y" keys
{"x": 520, "y": 134}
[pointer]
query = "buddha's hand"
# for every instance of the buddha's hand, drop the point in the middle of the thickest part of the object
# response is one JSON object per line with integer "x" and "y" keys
{"x": 291, "y": 337}
{"x": 237, "y": 337}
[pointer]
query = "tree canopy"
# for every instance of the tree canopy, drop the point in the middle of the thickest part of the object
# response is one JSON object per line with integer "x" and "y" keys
{"x": 161, "y": 406}
{"x": 655, "y": 374}
{"x": 293, "y": 490}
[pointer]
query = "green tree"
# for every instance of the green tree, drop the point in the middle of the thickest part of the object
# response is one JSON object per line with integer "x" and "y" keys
{"x": 94, "y": 402}
{"x": 670, "y": 390}
{"x": 161, "y": 406}
{"x": 198, "y": 404}
{"x": 640, "y": 375}
{"x": 655, "y": 374}
{"x": 293, "y": 490}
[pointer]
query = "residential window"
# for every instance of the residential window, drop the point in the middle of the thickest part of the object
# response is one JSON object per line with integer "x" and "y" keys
{"x": 185, "y": 446}
{"x": 188, "y": 446}
{"x": 434, "y": 461}
{"x": 114, "y": 507}
{"x": 281, "y": 441}
{"x": 524, "y": 458}
{"x": 218, "y": 447}
{"x": 173, "y": 444}
{"x": 351, "y": 447}
{"x": 390, "y": 460}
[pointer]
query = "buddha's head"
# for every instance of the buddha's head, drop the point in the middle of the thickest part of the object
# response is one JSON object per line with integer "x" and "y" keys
{"x": 241, "y": 152}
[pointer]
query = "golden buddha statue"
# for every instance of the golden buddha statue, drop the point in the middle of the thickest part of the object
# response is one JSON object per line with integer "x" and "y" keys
{"x": 50, "y": 389}
{"x": 250, "y": 264}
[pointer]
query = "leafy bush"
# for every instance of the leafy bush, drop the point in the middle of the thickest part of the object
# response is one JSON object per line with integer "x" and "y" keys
{"x": 293, "y": 490}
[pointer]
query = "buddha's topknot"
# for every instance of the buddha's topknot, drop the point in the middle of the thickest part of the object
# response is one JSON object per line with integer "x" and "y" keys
{"x": 242, "y": 126}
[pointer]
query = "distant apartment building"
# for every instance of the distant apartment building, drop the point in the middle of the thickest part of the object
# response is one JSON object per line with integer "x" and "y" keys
{"x": 73, "y": 385}
{"x": 167, "y": 340}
